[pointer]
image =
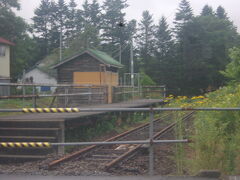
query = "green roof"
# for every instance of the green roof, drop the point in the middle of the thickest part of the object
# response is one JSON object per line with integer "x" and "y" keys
{"x": 105, "y": 57}
{"x": 100, "y": 55}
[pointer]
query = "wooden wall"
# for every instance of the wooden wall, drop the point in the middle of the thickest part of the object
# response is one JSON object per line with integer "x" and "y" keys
{"x": 85, "y": 69}
{"x": 93, "y": 78}
{"x": 84, "y": 63}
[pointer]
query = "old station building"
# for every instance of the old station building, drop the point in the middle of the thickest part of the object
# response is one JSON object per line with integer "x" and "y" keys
{"x": 90, "y": 67}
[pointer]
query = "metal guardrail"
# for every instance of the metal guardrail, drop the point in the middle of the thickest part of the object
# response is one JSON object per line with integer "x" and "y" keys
{"x": 49, "y": 95}
{"x": 62, "y": 91}
{"x": 77, "y": 110}
{"x": 124, "y": 93}
{"x": 151, "y": 142}
{"x": 51, "y": 85}
{"x": 49, "y": 144}
{"x": 120, "y": 93}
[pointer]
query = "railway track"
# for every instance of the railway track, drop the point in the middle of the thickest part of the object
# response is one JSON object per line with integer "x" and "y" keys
{"x": 109, "y": 156}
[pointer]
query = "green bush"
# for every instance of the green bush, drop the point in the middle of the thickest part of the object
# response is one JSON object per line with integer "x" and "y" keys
{"x": 232, "y": 70}
{"x": 146, "y": 80}
{"x": 215, "y": 134}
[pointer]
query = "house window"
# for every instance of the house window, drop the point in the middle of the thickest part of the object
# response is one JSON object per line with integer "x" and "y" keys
{"x": 2, "y": 50}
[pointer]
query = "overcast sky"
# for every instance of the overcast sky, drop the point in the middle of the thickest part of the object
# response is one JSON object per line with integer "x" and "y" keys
{"x": 156, "y": 7}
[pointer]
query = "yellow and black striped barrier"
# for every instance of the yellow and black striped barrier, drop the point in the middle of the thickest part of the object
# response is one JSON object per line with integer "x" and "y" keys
{"x": 50, "y": 110}
{"x": 25, "y": 145}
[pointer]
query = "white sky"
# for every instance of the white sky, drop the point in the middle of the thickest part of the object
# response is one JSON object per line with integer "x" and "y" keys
{"x": 156, "y": 7}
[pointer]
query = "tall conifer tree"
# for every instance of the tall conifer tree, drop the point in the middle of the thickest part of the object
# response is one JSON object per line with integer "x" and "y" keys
{"x": 146, "y": 40}
{"x": 220, "y": 13}
{"x": 164, "y": 68}
{"x": 112, "y": 16}
{"x": 207, "y": 11}
{"x": 71, "y": 22}
{"x": 42, "y": 25}
{"x": 183, "y": 16}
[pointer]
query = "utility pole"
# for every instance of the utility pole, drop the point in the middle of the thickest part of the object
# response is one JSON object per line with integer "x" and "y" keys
{"x": 132, "y": 65}
{"x": 120, "y": 52}
{"x": 60, "y": 44}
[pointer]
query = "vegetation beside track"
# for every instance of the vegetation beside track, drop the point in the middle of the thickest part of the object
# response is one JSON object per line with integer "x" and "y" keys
{"x": 215, "y": 134}
{"x": 106, "y": 125}
{"x": 20, "y": 103}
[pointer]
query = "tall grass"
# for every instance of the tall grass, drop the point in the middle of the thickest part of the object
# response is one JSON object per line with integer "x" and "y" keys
{"x": 179, "y": 148}
{"x": 216, "y": 135}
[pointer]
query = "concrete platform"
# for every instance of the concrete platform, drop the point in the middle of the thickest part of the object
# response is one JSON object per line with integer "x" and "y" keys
{"x": 25, "y": 127}
{"x": 73, "y": 116}
{"x": 12, "y": 177}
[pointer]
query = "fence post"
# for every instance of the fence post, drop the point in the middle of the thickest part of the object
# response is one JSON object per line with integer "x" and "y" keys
{"x": 61, "y": 138}
{"x": 164, "y": 92}
{"x": 139, "y": 86}
{"x": 123, "y": 93}
{"x": 23, "y": 93}
{"x": 65, "y": 97}
{"x": 34, "y": 97}
{"x": 151, "y": 145}
{"x": 132, "y": 93}
{"x": 90, "y": 95}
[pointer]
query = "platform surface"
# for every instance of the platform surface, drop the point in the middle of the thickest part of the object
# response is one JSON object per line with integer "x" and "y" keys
{"x": 20, "y": 177}
{"x": 69, "y": 116}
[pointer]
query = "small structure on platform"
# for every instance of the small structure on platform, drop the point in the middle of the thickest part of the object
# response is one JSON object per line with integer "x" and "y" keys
{"x": 37, "y": 76}
{"x": 90, "y": 67}
{"x": 5, "y": 48}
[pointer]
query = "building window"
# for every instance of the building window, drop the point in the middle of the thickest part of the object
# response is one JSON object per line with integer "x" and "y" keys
{"x": 2, "y": 50}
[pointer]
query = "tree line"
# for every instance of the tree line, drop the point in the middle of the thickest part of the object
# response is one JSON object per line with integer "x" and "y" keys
{"x": 186, "y": 57}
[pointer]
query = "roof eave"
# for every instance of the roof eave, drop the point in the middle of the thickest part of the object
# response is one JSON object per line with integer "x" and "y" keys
{"x": 86, "y": 51}
{"x": 115, "y": 66}
{"x": 103, "y": 61}
{"x": 67, "y": 60}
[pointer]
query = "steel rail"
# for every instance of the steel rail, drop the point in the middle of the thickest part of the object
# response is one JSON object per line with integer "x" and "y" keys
{"x": 120, "y": 142}
{"x": 151, "y": 141}
{"x": 171, "y": 126}
{"x": 87, "y": 149}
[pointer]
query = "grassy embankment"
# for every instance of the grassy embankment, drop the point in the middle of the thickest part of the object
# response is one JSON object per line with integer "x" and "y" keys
{"x": 215, "y": 134}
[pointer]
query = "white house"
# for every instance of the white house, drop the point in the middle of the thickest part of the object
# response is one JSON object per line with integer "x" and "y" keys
{"x": 37, "y": 76}
{"x": 5, "y": 65}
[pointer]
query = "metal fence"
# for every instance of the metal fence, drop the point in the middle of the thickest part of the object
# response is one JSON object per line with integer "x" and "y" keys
{"x": 62, "y": 95}
{"x": 124, "y": 93}
{"x": 65, "y": 95}
{"x": 151, "y": 141}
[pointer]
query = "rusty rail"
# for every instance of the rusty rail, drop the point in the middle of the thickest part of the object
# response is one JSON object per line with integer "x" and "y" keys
{"x": 82, "y": 151}
{"x": 137, "y": 147}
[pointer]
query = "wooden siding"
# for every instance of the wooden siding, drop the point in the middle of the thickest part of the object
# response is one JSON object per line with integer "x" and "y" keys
{"x": 96, "y": 78}
{"x": 85, "y": 69}
{"x": 93, "y": 78}
{"x": 84, "y": 63}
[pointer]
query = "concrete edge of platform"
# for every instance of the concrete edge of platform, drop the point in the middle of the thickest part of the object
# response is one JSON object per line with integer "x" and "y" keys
{"x": 35, "y": 177}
